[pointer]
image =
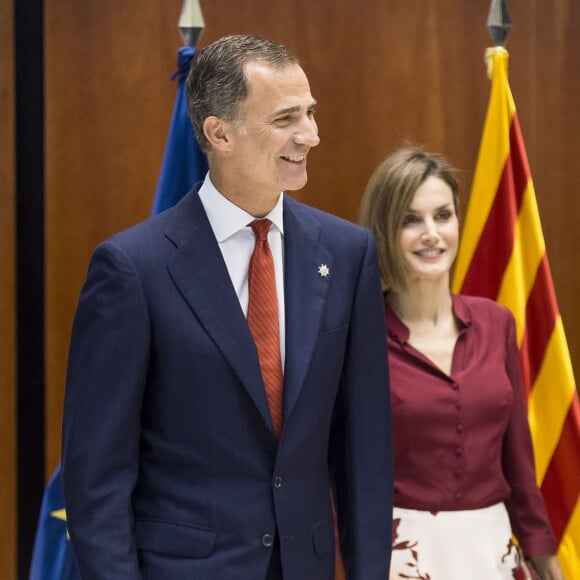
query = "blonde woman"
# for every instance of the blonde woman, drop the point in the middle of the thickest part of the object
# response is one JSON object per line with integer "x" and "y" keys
{"x": 464, "y": 469}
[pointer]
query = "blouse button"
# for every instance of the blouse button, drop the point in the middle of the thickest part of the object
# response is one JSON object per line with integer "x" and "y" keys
{"x": 459, "y": 451}
{"x": 454, "y": 386}
{"x": 457, "y": 472}
{"x": 458, "y": 496}
{"x": 459, "y": 428}
{"x": 458, "y": 405}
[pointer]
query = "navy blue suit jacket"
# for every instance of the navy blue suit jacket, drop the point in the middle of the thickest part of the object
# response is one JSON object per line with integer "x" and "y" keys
{"x": 171, "y": 468}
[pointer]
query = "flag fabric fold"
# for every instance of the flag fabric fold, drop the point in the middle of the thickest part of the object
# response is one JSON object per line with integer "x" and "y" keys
{"x": 183, "y": 165}
{"x": 503, "y": 257}
{"x": 52, "y": 556}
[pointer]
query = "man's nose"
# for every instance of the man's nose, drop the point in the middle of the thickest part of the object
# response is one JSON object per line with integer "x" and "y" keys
{"x": 307, "y": 133}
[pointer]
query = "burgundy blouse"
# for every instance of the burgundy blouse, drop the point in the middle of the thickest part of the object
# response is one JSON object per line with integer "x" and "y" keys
{"x": 462, "y": 441}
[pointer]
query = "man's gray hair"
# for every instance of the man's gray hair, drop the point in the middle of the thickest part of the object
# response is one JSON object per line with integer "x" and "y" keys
{"x": 217, "y": 84}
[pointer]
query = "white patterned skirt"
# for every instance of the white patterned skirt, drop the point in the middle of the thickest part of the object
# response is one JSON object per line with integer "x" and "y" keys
{"x": 454, "y": 545}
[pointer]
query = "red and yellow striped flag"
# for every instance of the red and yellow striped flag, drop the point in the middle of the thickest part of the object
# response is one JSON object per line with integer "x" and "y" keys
{"x": 503, "y": 256}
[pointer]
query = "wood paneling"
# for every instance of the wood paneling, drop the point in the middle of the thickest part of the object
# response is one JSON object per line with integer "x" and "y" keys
{"x": 7, "y": 298}
{"x": 383, "y": 71}
{"x": 108, "y": 105}
{"x": 547, "y": 98}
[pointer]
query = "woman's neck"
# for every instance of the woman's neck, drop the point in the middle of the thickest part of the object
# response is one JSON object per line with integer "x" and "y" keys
{"x": 422, "y": 302}
{"x": 427, "y": 311}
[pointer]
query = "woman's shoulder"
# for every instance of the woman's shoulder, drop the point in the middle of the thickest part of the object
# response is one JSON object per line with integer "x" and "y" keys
{"x": 480, "y": 308}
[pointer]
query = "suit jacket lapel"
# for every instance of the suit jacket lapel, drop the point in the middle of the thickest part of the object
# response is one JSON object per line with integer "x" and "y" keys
{"x": 200, "y": 273}
{"x": 304, "y": 295}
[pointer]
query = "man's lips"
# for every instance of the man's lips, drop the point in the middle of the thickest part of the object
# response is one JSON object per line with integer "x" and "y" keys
{"x": 294, "y": 158}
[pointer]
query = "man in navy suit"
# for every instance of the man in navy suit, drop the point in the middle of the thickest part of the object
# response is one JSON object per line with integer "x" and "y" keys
{"x": 172, "y": 467}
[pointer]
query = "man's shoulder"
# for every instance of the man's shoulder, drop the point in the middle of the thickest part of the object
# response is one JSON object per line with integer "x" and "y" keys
{"x": 145, "y": 227}
{"x": 330, "y": 224}
{"x": 151, "y": 226}
{"x": 151, "y": 237}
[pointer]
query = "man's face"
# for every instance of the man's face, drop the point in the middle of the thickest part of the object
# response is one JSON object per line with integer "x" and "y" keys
{"x": 276, "y": 131}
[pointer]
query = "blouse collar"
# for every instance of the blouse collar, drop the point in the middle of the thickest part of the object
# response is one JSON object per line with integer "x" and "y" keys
{"x": 400, "y": 332}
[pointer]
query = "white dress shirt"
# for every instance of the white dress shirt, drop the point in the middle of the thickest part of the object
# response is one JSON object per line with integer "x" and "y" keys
{"x": 236, "y": 241}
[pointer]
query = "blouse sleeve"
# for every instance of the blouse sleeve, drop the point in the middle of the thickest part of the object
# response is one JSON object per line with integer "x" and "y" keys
{"x": 526, "y": 507}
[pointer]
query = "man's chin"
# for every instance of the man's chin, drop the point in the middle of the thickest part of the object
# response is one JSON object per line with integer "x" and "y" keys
{"x": 295, "y": 184}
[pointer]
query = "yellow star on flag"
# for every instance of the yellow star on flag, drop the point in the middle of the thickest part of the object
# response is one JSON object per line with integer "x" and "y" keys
{"x": 60, "y": 515}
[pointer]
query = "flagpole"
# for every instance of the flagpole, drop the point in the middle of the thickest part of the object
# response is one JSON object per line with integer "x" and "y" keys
{"x": 184, "y": 164}
{"x": 191, "y": 23}
{"x": 499, "y": 22}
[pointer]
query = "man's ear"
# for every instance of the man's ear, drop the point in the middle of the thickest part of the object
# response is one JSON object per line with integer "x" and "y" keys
{"x": 217, "y": 133}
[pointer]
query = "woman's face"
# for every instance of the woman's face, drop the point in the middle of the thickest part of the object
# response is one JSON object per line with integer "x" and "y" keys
{"x": 430, "y": 234}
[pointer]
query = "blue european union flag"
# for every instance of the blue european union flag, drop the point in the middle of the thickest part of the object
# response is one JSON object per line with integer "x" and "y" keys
{"x": 52, "y": 557}
{"x": 184, "y": 164}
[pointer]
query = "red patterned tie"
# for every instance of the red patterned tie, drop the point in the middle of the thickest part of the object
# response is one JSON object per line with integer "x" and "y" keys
{"x": 263, "y": 319}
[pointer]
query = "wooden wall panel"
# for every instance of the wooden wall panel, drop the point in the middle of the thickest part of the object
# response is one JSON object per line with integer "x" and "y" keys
{"x": 550, "y": 117}
{"x": 7, "y": 297}
{"x": 382, "y": 70}
{"x": 108, "y": 104}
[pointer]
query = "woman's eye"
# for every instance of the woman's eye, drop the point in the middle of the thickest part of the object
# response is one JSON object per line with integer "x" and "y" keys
{"x": 410, "y": 219}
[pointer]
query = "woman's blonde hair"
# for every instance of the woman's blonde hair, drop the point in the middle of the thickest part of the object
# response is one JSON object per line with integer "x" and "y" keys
{"x": 387, "y": 198}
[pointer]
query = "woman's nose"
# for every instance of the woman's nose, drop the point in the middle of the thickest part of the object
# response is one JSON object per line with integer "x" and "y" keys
{"x": 429, "y": 234}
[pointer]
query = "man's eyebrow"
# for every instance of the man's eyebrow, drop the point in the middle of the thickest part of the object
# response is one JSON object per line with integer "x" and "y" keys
{"x": 294, "y": 109}
{"x": 286, "y": 111}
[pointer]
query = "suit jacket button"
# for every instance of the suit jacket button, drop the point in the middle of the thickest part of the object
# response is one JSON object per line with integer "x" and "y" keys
{"x": 267, "y": 540}
{"x": 278, "y": 482}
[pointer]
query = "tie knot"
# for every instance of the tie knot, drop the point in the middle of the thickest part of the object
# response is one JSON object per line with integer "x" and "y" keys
{"x": 261, "y": 229}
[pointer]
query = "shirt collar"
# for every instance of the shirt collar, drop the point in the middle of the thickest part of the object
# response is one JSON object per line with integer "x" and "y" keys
{"x": 226, "y": 218}
{"x": 397, "y": 329}
{"x": 461, "y": 310}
